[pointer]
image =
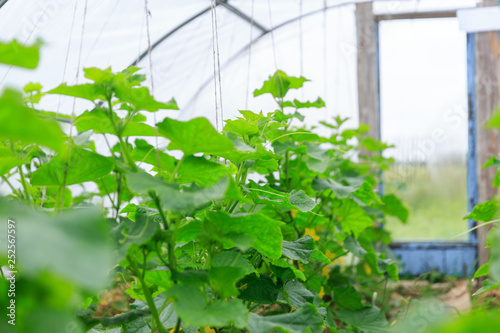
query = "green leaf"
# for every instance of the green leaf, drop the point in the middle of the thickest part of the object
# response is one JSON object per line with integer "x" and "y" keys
{"x": 16, "y": 54}
{"x": 74, "y": 245}
{"x": 141, "y": 99}
{"x": 366, "y": 194}
{"x": 488, "y": 285}
{"x": 483, "y": 212}
{"x": 191, "y": 305}
{"x": 201, "y": 171}
{"x": 257, "y": 230}
{"x": 394, "y": 207}
{"x": 227, "y": 268}
{"x": 194, "y": 136}
{"x": 98, "y": 121}
{"x": 319, "y": 103}
{"x": 353, "y": 218}
{"x": 241, "y": 127}
{"x": 286, "y": 271}
{"x": 9, "y": 161}
{"x": 279, "y": 84}
{"x": 340, "y": 191}
{"x": 347, "y": 298}
{"x": 81, "y": 166}
{"x": 259, "y": 289}
{"x": 86, "y": 91}
{"x": 298, "y": 295}
{"x": 494, "y": 121}
{"x": 367, "y": 320}
{"x": 144, "y": 152}
{"x": 20, "y": 123}
{"x": 293, "y": 200}
{"x": 482, "y": 271}
{"x": 301, "y": 249}
{"x": 305, "y": 319}
{"x": 172, "y": 197}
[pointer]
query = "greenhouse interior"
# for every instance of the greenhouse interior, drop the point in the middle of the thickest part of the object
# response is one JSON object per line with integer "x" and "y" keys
{"x": 230, "y": 166}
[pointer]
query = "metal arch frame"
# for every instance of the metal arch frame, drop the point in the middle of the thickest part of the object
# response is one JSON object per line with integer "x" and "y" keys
{"x": 256, "y": 39}
{"x": 223, "y": 3}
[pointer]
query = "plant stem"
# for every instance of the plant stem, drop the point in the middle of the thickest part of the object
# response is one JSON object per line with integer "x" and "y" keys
{"x": 147, "y": 294}
{"x": 25, "y": 186}
{"x": 172, "y": 176}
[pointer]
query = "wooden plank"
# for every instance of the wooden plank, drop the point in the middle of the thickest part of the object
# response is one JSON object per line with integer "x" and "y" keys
{"x": 487, "y": 55}
{"x": 416, "y": 15}
{"x": 451, "y": 258}
{"x": 368, "y": 103}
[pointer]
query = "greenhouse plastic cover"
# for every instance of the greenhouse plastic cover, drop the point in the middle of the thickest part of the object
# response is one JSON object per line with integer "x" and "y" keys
{"x": 313, "y": 38}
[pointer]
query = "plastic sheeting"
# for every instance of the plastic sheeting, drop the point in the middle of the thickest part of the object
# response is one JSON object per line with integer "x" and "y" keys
{"x": 321, "y": 46}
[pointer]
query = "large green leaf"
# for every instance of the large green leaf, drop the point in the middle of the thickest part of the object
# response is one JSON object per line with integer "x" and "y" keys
{"x": 341, "y": 191}
{"x": 99, "y": 121}
{"x": 293, "y": 200}
{"x": 279, "y": 84}
{"x": 483, "y": 212}
{"x": 226, "y": 269}
{"x": 347, "y": 298}
{"x": 297, "y": 294}
{"x": 8, "y": 161}
{"x": 353, "y": 218}
{"x": 201, "y": 171}
{"x": 370, "y": 320}
{"x": 191, "y": 305}
{"x": 141, "y": 99}
{"x": 259, "y": 289}
{"x": 241, "y": 127}
{"x": 194, "y": 136}
{"x": 86, "y": 91}
{"x": 244, "y": 230}
{"x": 20, "y": 123}
{"x": 171, "y": 195}
{"x": 393, "y": 206}
{"x": 144, "y": 152}
{"x": 74, "y": 245}
{"x": 81, "y": 166}
{"x": 305, "y": 319}
{"x": 16, "y": 54}
{"x": 300, "y": 249}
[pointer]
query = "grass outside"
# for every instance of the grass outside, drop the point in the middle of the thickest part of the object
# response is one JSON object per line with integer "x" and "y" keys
{"x": 436, "y": 196}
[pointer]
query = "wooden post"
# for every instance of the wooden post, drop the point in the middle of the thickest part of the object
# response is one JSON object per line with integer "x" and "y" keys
{"x": 368, "y": 103}
{"x": 487, "y": 80}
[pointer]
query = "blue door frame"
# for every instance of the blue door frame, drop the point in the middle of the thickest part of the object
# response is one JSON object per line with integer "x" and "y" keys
{"x": 451, "y": 258}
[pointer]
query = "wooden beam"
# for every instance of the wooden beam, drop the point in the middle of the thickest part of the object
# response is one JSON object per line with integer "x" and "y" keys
{"x": 416, "y": 15}
{"x": 368, "y": 103}
{"x": 487, "y": 81}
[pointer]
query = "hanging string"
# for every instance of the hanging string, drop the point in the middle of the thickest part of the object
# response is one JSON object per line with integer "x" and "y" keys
{"x": 146, "y": 12}
{"x": 301, "y": 40}
{"x": 67, "y": 56}
{"x": 218, "y": 64}
{"x": 325, "y": 53}
{"x": 272, "y": 34}
{"x": 74, "y": 103}
{"x": 249, "y": 54}
{"x": 111, "y": 12}
{"x": 213, "y": 5}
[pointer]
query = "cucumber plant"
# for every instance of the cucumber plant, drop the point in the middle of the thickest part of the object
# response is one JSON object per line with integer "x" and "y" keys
{"x": 268, "y": 225}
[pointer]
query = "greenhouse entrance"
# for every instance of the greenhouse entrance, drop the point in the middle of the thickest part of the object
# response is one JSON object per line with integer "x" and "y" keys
{"x": 432, "y": 138}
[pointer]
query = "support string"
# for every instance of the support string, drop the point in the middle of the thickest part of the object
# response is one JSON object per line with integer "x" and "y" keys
{"x": 146, "y": 12}
{"x": 249, "y": 54}
{"x": 77, "y": 76}
{"x": 215, "y": 66}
